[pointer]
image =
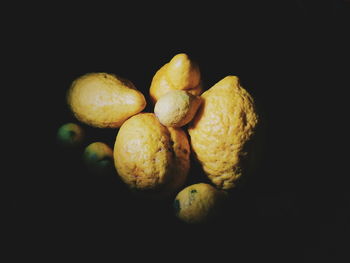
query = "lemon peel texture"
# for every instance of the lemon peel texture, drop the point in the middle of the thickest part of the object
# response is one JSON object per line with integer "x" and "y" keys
{"x": 104, "y": 100}
{"x": 150, "y": 156}
{"x": 221, "y": 129}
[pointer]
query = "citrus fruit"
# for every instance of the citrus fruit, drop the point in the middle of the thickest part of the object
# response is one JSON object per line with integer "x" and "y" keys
{"x": 221, "y": 130}
{"x": 181, "y": 73}
{"x": 70, "y": 135}
{"x": 104, "y": 100}
{"x": 98, "y": 157}
{"x": 176, "y": 108}
{"x": 150, "y": 156}
{"x": 198, "y": 203}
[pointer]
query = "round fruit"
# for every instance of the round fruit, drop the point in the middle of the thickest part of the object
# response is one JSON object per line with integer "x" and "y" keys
{"x": 98, "y": 158}
{"x": 70, "y": 134}
{"x": 221, "y": 130}
{"x": 104, "y": 100}
{"x": 198, "y": 203}
{"x": 176, "y": 108}
{"x": 179, "y": 74}
{"x": 150, "y": 156}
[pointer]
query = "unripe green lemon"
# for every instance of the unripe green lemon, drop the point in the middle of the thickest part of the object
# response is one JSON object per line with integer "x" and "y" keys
{"x": 70, "y": 135}
{"x": 98, "y": 158}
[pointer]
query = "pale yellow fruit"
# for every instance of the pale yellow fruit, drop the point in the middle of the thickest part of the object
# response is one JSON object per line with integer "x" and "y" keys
{"x": 150, "y": 156}
{"x": 98, "y": 158}
{"x": 180, "y": 73}
{"x": 104, "y": 100}
{"x": 221, "y": 129}
{"x": 199, "y": 203}
{"x": 176, "y": 108}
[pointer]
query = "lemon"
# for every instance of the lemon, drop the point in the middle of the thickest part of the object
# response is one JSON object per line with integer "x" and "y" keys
{"x": 98, "y": 157}
{"x": 150, "y": 156}
{"x": 104, "y": 100}
{"x": 176, "y": 108}
{"x": 198, "y": 203}
{"x": 70, "y": 135}
{"x": 221, "y": 129}
{"x": 181, "y": 73}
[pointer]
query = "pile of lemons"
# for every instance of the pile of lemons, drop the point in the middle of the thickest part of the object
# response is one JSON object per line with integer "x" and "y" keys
{"x": 152, "y": 150}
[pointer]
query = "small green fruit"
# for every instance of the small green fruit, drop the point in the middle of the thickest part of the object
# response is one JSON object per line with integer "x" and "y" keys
{"x": 70, "y": 135}
{"x": 98, "y": 158}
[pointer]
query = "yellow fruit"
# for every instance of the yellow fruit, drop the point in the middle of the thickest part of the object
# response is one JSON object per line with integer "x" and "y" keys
{"x": 182, "y": 72}
{"x": 179, "y": 74}
{"x": 70, "y": 135}
{"x": 198, "y": 203}
{"x": 176, "y": 108}
{"x": 104, "y": 100}
{"x": 221, "y": 129}
{"x": 98, "y": 158}
{"x": 150, "y": 156}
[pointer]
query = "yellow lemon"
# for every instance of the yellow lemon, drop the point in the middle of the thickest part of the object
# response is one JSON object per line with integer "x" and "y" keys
{"x": 98, "y": 157}
{"x": 70, "y": 134}
{"x": 176, "y": 108}
{"x": 104, "y": 100}
{"x": 221, "y": 129}
{"x": 198, "y": 203}
{"x": 180, "y": 73}
{"x": 150, "y": 156}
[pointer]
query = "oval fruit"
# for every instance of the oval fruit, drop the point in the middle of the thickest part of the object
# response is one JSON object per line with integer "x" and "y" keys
{"x": 221, "y": 129}
{"x": 180, "y": 73}
{"x": 198, "y": 203}
{"x": 70, "y": 135}
{"x": 98, "y": 158}
{"x": 176, "y": 108}
{"x": 104, "y": 100}
{"x": 150, "y": 156}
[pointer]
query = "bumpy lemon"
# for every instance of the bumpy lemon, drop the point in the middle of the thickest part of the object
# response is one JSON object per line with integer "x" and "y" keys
{"x": 220, "y": 131}
{"x": 150, "y": 156}
{"x": 70, "y": 135}
{"x": 176, "y": 108}
{"x": 198, "y": 203}
{"x": 180, "y": 73}
{"x": 104, "y": 100}
{"x": 98, "y": 158}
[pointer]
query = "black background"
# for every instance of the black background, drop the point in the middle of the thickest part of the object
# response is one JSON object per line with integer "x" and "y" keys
{"x": 289, "y": 56}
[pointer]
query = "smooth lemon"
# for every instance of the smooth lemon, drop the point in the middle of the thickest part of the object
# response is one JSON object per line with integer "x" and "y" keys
{"x": 98, "y": 158}
{"x": 176, "y": 108}
{"x": 70, "y": 135}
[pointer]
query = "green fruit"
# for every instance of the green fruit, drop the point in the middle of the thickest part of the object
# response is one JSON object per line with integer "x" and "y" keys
{"x": 98, "y": 158}
{"x": 70, "y": 135}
